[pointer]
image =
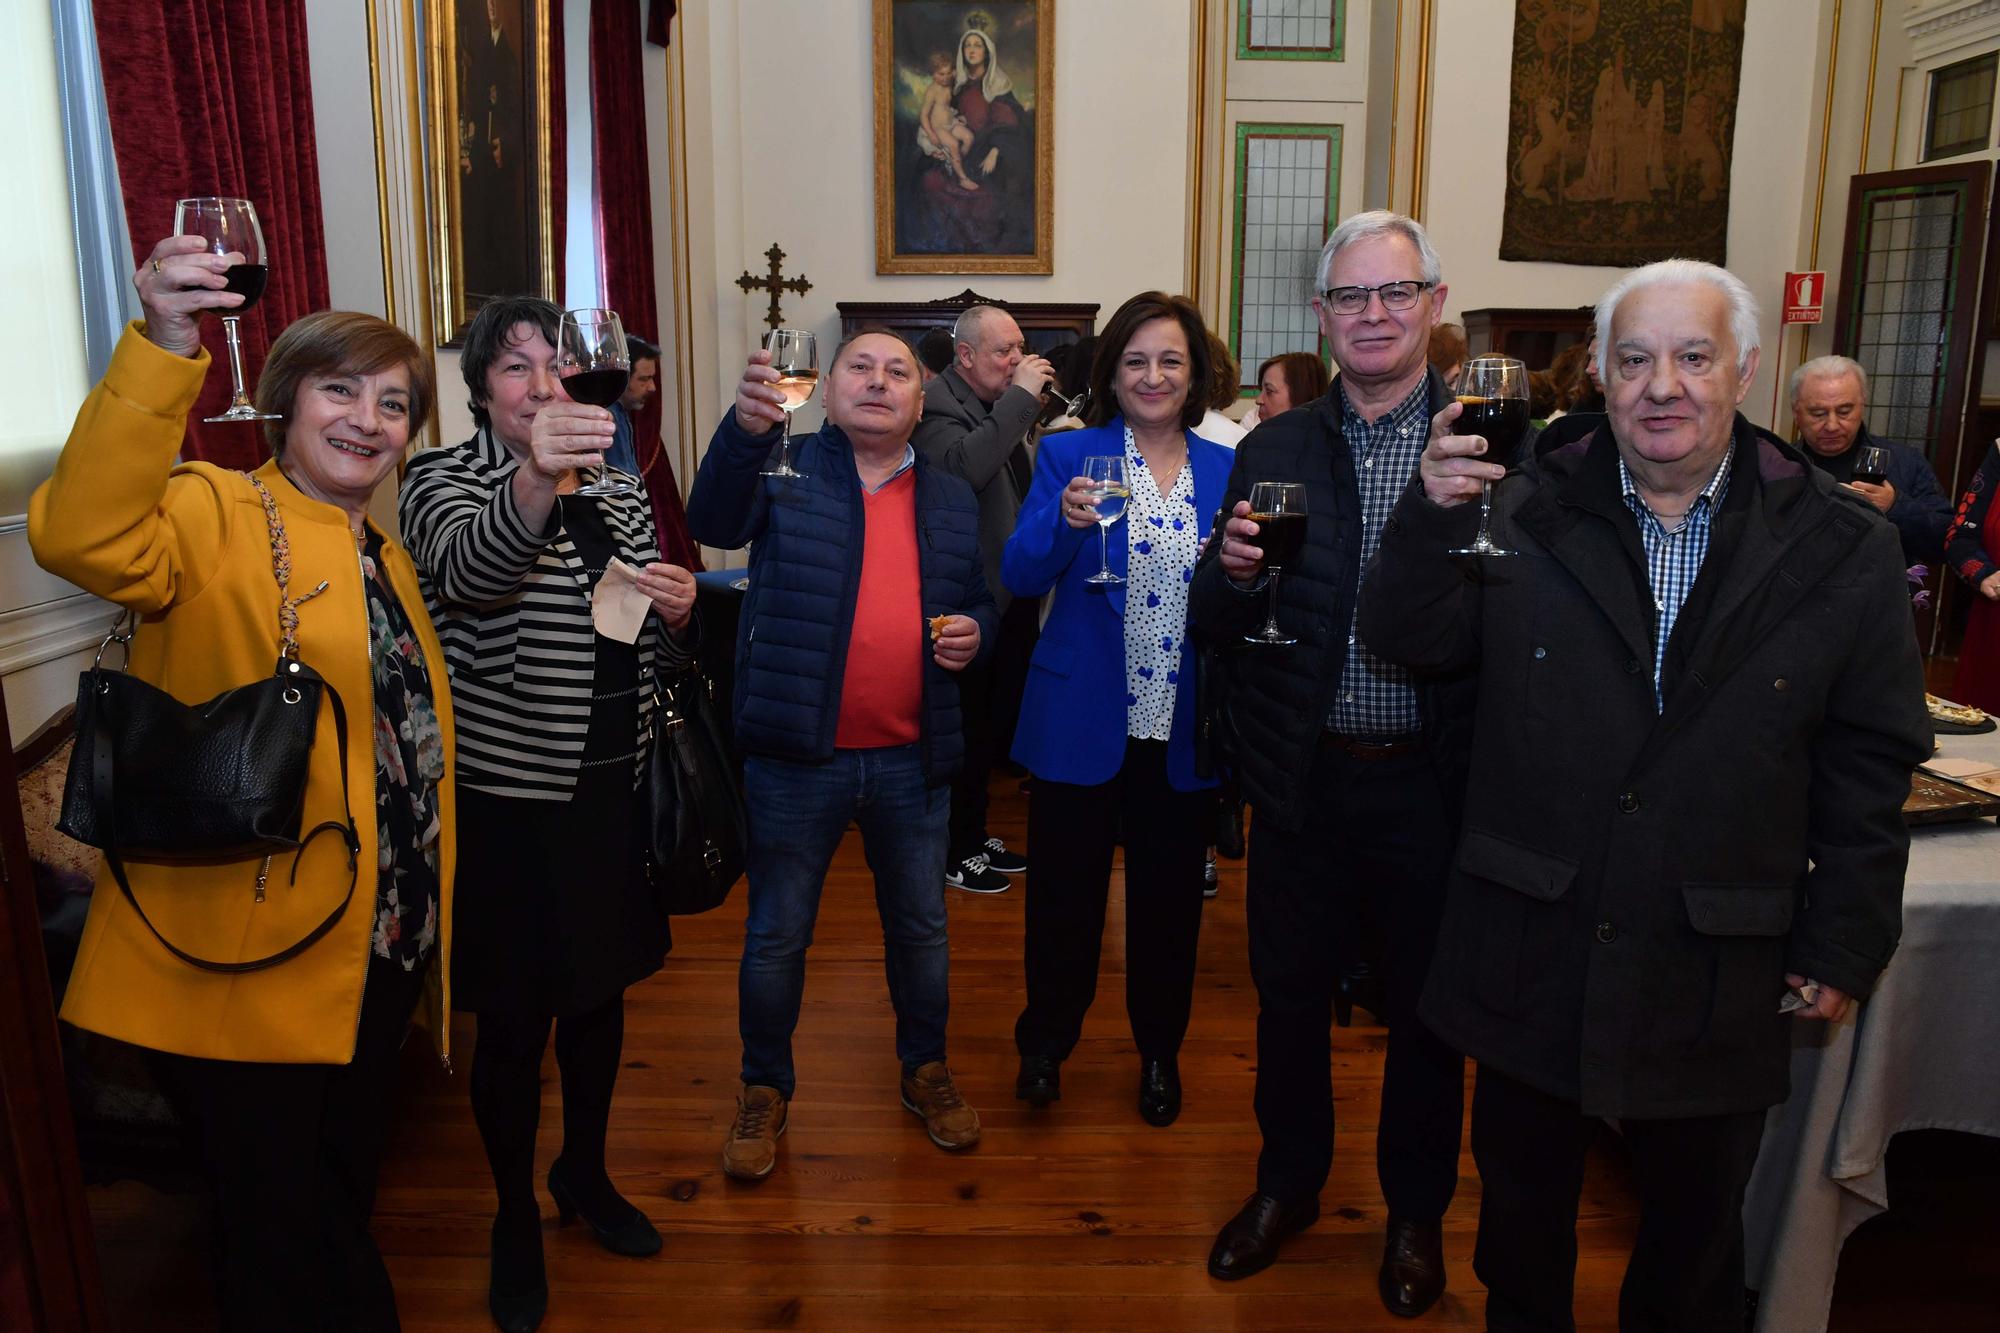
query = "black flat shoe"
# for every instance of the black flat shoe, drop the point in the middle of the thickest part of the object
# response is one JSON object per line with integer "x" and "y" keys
{"x": 1249, "y": 1241}
{"x": 1412, "y": 1276}
{"x": 1159, "y": 1092}
{"x": 1040, "y": 1080}
{"x": 621, "y": 1229}
{"x": 517, "y": 1288}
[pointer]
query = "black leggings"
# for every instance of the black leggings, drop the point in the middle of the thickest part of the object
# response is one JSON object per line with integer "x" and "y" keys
{"x": 507, "y": 1100}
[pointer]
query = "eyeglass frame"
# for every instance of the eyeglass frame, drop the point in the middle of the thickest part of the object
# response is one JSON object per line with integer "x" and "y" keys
{"x": 1331, "y": 295}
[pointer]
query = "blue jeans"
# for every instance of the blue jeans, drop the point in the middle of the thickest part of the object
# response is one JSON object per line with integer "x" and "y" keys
{"x": 798, "y": 814}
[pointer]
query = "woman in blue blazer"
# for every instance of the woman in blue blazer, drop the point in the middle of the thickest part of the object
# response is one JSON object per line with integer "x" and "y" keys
{"x": 1107, "y": 718}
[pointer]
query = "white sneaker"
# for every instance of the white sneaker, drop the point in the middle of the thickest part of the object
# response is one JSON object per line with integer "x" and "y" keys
{"x": 975, "y": 875}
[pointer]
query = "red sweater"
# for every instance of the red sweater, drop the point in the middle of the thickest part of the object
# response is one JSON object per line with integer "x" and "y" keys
{"x": 882, "y": 692}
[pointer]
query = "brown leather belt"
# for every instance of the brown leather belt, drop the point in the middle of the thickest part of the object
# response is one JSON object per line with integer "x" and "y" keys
{"x": 1361, "y": 747}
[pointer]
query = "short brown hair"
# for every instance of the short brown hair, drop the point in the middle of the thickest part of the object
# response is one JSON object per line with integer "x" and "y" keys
{"x": 491, "y": 333}
{"x": 1447, "y": 346}
{"x": 1126, "y": 321}
{"x": 1223, "y": 375}
{"x": 340, "y": 342}
{"x": 1304, "y": 374}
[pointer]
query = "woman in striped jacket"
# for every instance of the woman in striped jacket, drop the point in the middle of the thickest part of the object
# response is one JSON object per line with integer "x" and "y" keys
{"x": 555, "y": 714}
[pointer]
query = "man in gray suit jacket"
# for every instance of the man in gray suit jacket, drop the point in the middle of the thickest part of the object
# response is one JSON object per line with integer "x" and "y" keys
{"x": 978, "y": 418}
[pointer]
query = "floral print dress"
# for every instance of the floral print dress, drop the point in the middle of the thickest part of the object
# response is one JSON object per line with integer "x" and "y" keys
{"x": 409, "y": 766}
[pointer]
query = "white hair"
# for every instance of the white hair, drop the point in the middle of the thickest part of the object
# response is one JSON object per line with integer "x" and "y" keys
{"x": 1829, "y": 367}
{"x": 1742, "y": 305}
{"x": 1379, "y": 222}
{"x": 971, "y": 322}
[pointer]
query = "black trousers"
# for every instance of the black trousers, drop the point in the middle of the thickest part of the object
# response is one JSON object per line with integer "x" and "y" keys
{"x": 1686, "y": 1273}
{"x": 989, "y": 695}
{"x": 1374, "y": 850}
{"x": 1166, "y": 837}
{"x": 290, "y": 1152}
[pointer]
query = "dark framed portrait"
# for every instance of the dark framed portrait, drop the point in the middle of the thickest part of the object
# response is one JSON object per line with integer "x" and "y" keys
{"x": 489, "y": 156}
{"x": 964, "y": 136}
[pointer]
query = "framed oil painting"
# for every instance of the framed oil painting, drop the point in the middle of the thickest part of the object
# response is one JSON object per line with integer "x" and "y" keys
{"x": 964, "y": 136}
{"x": 488, "y": 79}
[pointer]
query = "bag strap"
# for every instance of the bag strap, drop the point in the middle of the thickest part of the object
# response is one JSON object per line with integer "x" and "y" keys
{"x": 281, "y": 570}
{"x": 101, "y": 769}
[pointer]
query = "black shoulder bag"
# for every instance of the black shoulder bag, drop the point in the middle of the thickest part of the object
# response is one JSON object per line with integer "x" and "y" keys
{"x": 153, "y": 779}
{"x": 699, "y": 826}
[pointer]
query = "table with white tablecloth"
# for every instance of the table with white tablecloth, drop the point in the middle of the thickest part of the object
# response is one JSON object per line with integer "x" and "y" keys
{"x": 1922, "y": 1053}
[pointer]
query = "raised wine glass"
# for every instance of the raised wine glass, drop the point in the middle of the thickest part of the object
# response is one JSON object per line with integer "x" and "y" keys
{"x": 796, "y": 359}
{"x": 229, "y": 226}
{"x": 1493, "y": 394}
{"x": 1871, "y": 465}
{"x": 1109, "y": 490}
{"x": 595, "y": 365}
{"x": 1056, "y": 405}
{"x": 1278, "y": 508}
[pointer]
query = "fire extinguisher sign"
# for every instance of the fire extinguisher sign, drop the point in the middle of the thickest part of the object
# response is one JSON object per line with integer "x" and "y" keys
{"x": 1805, "y": 297}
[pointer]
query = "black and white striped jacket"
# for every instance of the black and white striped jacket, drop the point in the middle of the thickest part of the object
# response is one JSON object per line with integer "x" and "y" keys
{"x": 512, "y": 609}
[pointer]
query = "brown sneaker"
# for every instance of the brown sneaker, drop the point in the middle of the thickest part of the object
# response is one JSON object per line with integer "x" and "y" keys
{"x": 929, "y": 1092}
{"x": 752, "y": 1148}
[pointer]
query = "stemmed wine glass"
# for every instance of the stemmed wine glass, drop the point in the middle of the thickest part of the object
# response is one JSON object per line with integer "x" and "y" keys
{"x": 595, "y": 365}
{"x": 1278, "y": 508}
{"x": 1871, "y": 465}
{"x": 1055, "y": 405}
{"x": 796, "y": 359}
{"x": 1493, "y": 393}
{"x": 229, "y": 226}
{"x": 1109, "y": 491}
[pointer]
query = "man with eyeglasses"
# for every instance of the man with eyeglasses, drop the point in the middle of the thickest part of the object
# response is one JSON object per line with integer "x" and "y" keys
{"x": 977, "y": 424}
{"x": 1354, "y": 767}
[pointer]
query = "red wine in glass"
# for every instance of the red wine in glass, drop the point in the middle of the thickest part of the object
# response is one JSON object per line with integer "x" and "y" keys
{"x": 230, "y": 227}
{"x": 1871, "y": 466}
{"x": 1493, "y": 404}
{"x": 599, "y": 388}
{"x": 595, "y": 364}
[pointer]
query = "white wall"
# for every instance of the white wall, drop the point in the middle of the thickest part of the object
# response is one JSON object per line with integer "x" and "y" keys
{"x": 1769, "y": 184}
{"x": 782, "y": 149}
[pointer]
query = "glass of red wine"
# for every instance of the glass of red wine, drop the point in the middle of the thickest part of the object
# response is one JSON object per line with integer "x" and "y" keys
{"x": 1278, "y": 508}
{"x": 795, "y": 356}
{"x": 1871, "y": 465}
{"x": 229, "y": 226}
{"x": 1493, "y": 401}
{"x": 595, "y": 365}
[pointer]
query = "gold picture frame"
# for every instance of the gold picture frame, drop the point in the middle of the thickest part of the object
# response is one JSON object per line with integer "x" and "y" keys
{"x": 489, "y": 151}
{"x": 962, "y": 200}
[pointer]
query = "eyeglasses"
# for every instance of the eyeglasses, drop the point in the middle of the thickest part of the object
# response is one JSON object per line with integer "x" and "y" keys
{"x": 1395, "y": 296}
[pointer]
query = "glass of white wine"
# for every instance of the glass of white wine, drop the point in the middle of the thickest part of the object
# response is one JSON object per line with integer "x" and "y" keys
{"x": 1109, "y": 490}
{"x": 796, "y": 359}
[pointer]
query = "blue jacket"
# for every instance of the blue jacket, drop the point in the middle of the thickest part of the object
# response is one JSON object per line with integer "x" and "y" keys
{"x": 1920, "y": 512}
{"x": 805, "y": 573}
{"x": 1072, "y": 726}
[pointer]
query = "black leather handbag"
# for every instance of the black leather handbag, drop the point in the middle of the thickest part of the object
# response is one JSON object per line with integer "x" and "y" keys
{"x": 699, "y": 825}
{"x": 154, "y": 779}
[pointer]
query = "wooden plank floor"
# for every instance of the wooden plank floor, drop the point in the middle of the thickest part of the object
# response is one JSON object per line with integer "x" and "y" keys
{"x": 1078, "y": 1217}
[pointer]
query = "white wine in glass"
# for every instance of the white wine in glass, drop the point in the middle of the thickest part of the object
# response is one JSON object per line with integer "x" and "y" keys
{"x": 1109, "y": 490}
{"x": 230, "y": 226}
{"x": 796, "y": 359}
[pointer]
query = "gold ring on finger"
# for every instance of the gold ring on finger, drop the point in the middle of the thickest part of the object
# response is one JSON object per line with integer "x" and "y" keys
{"x": 156, "y": 266}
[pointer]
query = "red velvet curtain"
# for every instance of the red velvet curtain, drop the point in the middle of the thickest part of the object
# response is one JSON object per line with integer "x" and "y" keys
{"x": 215, "y": 97}
{"x": 625, "y": 238}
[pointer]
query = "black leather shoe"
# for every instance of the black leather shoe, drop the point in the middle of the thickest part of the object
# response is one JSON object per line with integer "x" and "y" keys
{"x": 618, "y": 1226}
{"x": 1412, "y": 1268}
{"x": 1040, "y": 1080}
{"x": 1248, "y": 1242}
{"x": 1159, "y": 1092}
{"x": 517, "y": 1289}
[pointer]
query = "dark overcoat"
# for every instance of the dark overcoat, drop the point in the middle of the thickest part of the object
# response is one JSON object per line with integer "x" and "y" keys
{"x": 1632, "y": 886}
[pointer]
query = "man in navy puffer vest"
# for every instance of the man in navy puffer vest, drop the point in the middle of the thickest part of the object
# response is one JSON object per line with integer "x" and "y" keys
{"x": 865, "y": 600}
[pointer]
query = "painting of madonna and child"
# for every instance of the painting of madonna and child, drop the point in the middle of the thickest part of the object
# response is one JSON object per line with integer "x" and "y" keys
{"x": 963, "y": 117}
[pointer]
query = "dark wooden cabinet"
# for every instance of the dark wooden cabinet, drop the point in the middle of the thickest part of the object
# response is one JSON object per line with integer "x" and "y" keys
{"x": 1044, "y": 324}
{"x": 1532, "y": 336}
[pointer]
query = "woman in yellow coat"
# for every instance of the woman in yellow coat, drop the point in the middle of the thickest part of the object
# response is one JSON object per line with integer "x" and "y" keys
{"x": 287, "y": 1071}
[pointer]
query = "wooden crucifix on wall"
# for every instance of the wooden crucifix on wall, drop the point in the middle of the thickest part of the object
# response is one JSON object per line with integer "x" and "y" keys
{"x": 774, "y": 283}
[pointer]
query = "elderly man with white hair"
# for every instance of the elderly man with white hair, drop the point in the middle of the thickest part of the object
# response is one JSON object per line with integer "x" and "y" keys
{"x": 1829, "y": 408}
{"x": 1699, "y": 706}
